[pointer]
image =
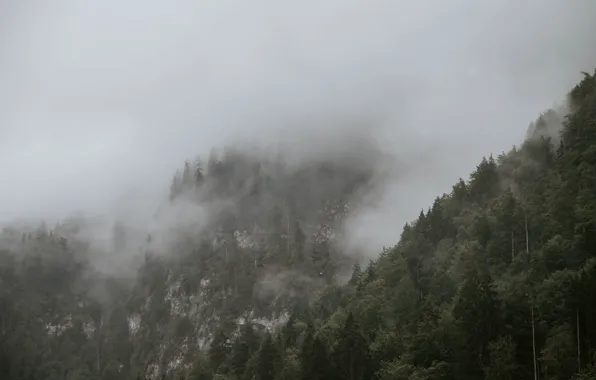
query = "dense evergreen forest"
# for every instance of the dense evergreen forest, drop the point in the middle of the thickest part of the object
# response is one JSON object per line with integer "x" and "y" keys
{"x": 496, "y": 280}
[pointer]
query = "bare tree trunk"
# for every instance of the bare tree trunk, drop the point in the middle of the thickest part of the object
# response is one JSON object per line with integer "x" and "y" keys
{"x": 235, "y": 282}
{"x": 534, "y": 342}
{"x": 531, "y": 300}
{"x": 97, "y": 363}
{"x": 579, "y": 360}
{"x": 512, "y": 246}
{"x": 255, "y": 239}
{"x": 97, "y": 341}
{"x": 527, "y": 237}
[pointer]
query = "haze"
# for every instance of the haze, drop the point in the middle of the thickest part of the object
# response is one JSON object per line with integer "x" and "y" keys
{"x": 101, "y": 101}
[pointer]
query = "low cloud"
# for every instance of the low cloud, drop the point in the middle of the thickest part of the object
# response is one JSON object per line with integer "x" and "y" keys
{"x": 100, "y": 102}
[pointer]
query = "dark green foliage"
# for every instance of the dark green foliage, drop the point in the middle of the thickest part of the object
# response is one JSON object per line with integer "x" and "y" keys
{"x": 243, "y": 348}
{"x": 267, "y": 361}
{"x": 351, "y": 356}
{"x": 314, "y": 359}
{"x": 495, "y": 281}
{"x": 477, "y": 314}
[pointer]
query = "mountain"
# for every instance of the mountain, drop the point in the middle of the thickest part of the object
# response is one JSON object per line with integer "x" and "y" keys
{"x": 246, "y": 273}
{"x": 246, "y": 235}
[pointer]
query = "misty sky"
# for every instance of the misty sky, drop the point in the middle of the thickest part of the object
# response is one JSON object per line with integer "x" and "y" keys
{"x": 100, "y": 101}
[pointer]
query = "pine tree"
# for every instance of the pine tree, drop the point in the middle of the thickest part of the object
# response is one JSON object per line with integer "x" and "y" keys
{"x": 476, "y": 311}
{"x": 243, "y": 349}
{"x": 314, "y": 360}
{"x": 351, "y": 357}
{"x": 356, "y": 278}
{"x": 219, "y": 350}
{"x": 267, "y": 360}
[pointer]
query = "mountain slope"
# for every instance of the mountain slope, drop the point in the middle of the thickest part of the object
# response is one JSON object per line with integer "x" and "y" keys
{"x": 247, "y": 236}
{"x": 496, "y": 280}
{"x": 243, "y": 274}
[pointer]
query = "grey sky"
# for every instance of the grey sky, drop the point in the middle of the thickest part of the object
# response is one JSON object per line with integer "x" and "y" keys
{"x": 101, "y": 101}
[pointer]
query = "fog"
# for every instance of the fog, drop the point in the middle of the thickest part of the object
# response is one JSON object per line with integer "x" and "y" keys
{"x": 100, "y": 102}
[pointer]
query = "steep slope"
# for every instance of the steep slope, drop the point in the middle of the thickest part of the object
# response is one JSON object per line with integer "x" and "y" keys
{"x": 248, "y": 236}
{"x": 241, "y": 274}
{"x": 495, "y": 281}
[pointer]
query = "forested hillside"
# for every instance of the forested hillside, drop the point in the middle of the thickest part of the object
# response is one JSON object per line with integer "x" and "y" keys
{"x": 496, "y": 280}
